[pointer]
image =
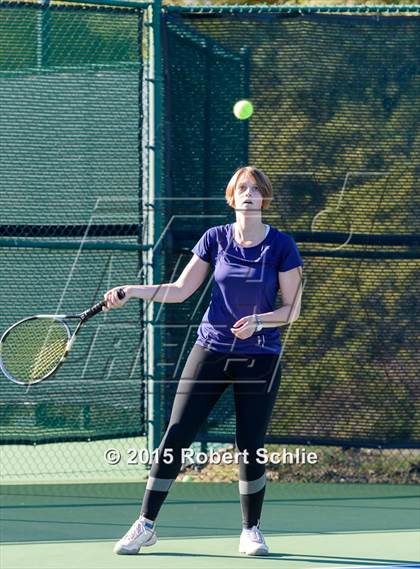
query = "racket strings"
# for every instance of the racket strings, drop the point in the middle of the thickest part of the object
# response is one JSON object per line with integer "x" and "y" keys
{"x": 34, "y": 348}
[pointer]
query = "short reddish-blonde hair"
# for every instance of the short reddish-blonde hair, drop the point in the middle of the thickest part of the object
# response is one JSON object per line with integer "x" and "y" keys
{"x": 261, "y": 180}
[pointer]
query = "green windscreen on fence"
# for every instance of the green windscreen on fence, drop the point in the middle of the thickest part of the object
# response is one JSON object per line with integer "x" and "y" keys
{"x": 71, "y": 172}
{"x": 335, "y": 128}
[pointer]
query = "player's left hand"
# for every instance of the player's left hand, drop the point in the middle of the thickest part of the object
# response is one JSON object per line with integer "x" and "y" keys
{"x": 244, "y": 327}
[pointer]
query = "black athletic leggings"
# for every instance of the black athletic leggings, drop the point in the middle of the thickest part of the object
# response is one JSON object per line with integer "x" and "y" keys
{"x": 206, "y": 375}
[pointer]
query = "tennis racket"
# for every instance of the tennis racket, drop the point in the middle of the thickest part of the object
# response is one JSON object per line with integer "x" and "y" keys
{"x": 34, "y": 348}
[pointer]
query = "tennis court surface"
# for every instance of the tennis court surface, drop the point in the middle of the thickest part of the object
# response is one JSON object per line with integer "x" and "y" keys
{"x": 66, "y": 526}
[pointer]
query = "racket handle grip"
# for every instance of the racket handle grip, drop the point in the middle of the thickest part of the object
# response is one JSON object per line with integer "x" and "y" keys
{"x": 95, "y": 309}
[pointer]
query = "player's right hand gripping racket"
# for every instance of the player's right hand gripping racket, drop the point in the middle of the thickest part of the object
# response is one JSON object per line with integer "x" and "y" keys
{"x": 34, "y": 348}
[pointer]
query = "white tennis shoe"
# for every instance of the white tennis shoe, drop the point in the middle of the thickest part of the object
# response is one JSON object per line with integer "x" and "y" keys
{"x": 138, "y": 535}
{"x": 252, "y": 542}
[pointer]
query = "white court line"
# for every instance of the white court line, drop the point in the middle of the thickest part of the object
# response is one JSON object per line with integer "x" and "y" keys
{"x": 235, "y": 536}
{"x": 384, "y": 566}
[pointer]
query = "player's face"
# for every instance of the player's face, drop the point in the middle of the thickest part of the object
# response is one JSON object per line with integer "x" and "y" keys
{"x": 247, "y": 196}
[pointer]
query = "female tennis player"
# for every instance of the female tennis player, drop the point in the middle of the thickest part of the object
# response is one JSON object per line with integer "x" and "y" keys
{"x": 238, "y": 343}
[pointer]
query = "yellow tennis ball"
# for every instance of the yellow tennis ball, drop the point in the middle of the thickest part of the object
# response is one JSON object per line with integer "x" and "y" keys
{"x": 187, "y": 478}
{"x": 243, "y": 109}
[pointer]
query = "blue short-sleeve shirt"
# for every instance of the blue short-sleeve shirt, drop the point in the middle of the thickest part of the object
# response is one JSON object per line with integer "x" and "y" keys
{"x": 245, "y": 282}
